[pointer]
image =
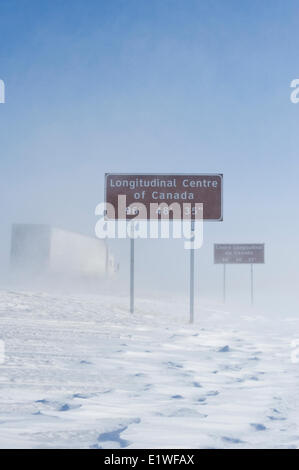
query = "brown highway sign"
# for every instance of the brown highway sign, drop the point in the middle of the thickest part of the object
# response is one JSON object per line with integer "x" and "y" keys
{"x": 239, "y": 253}
{"x": 152, "y": 191}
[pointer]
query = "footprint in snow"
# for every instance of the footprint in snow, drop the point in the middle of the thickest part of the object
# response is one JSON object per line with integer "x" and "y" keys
{"x": 201, "y": 399}
{"x": 244, "y": 379}
{"x": 54, "y": 405}
{"x": 276, "y": 418}
{"x": 258, "y": 426}
{"x": 80, "y": 395}
{"x": 173, "y": 365}
{"x": 67, "y": 407}
{"x": 197, "y": 385}
{"x": 232, "y": 440}
{"x": 224, "y": 349}
{"x": 114, "y": 436}
{"x": 213, "y": 393}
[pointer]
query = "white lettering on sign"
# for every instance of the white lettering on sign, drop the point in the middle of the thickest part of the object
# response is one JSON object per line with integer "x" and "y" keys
{"x": 143, "y": 183}
{"x": 199, "y": 184}
{"x": 184, "y": 196}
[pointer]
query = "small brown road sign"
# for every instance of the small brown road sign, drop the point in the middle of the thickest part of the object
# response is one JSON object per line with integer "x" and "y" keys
{"x": 239, "y": 253}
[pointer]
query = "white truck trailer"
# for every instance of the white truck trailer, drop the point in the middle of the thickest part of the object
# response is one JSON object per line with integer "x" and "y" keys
{"x": 40, "y": 250}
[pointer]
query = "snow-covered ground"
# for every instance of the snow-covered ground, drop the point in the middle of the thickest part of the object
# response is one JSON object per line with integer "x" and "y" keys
{"x": 81, "y": 372}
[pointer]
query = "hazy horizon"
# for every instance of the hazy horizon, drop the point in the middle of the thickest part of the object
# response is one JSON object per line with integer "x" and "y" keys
{"x": 96, "y": 87}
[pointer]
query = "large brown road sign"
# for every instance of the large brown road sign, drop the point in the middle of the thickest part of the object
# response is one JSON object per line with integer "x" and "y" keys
{"x": 156, "y": 191}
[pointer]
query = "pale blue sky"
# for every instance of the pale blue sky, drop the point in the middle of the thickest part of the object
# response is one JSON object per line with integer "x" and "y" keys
{"x": 153, "y": 86}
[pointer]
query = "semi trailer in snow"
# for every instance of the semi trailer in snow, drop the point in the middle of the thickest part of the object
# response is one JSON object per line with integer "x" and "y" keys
{"x": 44, "y": 251}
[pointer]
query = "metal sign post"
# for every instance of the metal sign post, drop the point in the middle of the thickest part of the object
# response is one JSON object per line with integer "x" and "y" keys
{"x": 224, "y": 283}
{"x": 192, "y": 276}
{"x": 251, "y": 276}
{"x": 132, "y": 272}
